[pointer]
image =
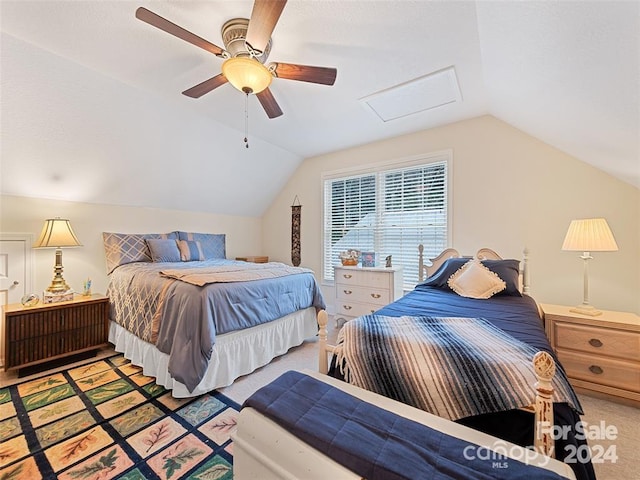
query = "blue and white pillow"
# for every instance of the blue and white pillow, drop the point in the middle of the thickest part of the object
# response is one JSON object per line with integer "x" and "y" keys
{"x": 212, "y": 244}
{"x": 190, "y": 251}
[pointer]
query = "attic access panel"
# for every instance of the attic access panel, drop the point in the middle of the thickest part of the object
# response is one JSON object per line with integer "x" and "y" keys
{"x": 423, "y": 93}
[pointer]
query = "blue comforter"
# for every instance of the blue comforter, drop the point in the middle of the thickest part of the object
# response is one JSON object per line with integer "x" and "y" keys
{"x": 375, "y": 443}
{"x": 517, "y": 316}
{"x": 183, "y": 320}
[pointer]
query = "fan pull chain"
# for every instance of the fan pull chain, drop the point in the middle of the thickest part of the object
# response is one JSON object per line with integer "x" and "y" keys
{"x": 246, "y": 120}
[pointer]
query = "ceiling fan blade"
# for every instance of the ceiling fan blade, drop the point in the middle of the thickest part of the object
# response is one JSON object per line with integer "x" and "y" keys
{"x": 169, "y": 27}
{"x": 206, "y": 86}
{"x": 305, "y": 73}
{"x": 264, "y": 16}
{"x": 269, "y": 103}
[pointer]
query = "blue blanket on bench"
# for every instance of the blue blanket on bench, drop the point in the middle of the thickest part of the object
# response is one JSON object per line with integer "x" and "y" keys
{"x": 375, "y": 443}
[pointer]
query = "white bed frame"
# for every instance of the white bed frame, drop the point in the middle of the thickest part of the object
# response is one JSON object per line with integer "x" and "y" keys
{"x": 543, "y": 363}
{"x": 263, "y": 449}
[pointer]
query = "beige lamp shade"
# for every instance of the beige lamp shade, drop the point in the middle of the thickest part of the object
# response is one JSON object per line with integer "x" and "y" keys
{"x": 589, "y": 235}
{"x": 247, "y": 74}
{"x": 57, "y": 233}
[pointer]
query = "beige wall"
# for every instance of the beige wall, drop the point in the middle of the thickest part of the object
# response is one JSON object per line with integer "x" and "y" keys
{"x": 510, "y": 191}
{"x": 27, "y": 215}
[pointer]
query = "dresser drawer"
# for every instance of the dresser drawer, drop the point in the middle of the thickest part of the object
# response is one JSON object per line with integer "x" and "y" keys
{"x": 355, "y": 309}
{"x": 603, "y": 371}
{"x": 599, "y": 341}
{"x": 363, "y": 277}
{"x": 374, "y": 296}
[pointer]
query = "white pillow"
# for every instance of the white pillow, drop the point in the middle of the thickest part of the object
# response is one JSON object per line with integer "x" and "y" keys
{"x": 474, "y": 280}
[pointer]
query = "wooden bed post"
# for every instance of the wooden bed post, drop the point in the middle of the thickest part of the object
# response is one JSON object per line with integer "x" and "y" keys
{"x": 545, "y": 368}
{"x": 323, "y": 361}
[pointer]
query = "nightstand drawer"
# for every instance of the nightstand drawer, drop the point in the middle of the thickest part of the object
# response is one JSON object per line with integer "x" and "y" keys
{"x": 603, "y": 371}
{"x": 348, "y": 293}
{"x": 38, "y": 334}
{"x": 600, "y": 341}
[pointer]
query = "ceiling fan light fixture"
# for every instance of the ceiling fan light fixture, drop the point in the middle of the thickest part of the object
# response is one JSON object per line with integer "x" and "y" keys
{"x": 247, "y": 74}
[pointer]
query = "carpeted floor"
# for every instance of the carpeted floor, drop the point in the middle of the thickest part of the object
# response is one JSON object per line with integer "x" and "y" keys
{"x": 105, "y": 419}
{"x": 625, "y": 419}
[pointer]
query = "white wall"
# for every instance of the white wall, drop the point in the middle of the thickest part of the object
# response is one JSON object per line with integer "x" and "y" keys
{"x": 510, "y": 191}
{"x": 84, "y": 137}
{"x": 27, "y": 215}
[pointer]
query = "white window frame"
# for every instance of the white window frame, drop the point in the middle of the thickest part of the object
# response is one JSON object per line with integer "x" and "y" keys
{"x": 405, "y": 162}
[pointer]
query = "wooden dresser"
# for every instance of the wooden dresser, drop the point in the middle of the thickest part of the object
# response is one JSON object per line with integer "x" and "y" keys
{"x": 46, "y": 332}
{"x": 599, "y": 353}
{"x": 363, "y": 290}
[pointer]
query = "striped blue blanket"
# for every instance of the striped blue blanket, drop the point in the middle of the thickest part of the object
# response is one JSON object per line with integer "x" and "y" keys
{"x": 451, "y": 367}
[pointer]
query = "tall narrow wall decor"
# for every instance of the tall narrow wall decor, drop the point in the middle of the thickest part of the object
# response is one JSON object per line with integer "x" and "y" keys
{"x": 296, "y": 212}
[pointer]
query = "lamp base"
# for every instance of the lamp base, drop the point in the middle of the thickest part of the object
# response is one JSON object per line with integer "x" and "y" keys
{"x": 50, "y": 297}
{"x": 586, "y": 310}
{"x": 58, "y": 286}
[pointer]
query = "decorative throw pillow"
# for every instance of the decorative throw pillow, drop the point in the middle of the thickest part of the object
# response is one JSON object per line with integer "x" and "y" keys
{"x": 163, "y": 250}
{"x": 509, "y": 271}
{"x": 212, "y": 244}
{"x": 123, "y": 248}
{"x": 190, "y": 251}
{"x": 441, "y": 276}
{"x": 474, "y": 280}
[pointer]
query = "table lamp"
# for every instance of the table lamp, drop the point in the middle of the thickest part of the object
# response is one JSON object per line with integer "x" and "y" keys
{"x": 589, "y": 235}
{"x": 57, "y": 233}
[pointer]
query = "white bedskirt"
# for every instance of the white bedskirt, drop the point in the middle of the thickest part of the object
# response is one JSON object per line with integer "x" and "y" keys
{"x": 234, "y": 354}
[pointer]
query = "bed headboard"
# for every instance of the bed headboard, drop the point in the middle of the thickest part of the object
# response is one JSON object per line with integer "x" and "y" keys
{"x": 425, "y": 271}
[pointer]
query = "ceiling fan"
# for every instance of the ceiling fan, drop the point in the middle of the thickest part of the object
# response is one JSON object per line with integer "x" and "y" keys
{"x": 247, "y": 46}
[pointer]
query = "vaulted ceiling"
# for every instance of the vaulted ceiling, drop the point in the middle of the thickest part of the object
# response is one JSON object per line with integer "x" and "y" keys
{"x": 86, "y": 84}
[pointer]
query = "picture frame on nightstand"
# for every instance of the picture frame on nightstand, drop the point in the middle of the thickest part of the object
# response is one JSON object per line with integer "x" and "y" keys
{"x": 368, "y": 259}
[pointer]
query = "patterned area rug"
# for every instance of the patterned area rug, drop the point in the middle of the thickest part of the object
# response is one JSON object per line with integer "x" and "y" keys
{"x": 106, "y": 420}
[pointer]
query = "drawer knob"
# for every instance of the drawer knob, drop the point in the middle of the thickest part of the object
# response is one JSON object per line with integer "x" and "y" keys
{"x": 595, "y": 369}
{"x": 594, "y": 342}
{"x": 347, "y": 307}
{"x": 375, "y": 295}
{"x": 346, "y": 275}
{"x": 347, "y": 292}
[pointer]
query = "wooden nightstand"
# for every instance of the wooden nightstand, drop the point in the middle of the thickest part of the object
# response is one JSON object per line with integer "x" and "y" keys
{"x": 46, "y": 332}
{"x": 600, "y": 354}
{"x": 255, "y": 259}
{"x": 363, "y": 290}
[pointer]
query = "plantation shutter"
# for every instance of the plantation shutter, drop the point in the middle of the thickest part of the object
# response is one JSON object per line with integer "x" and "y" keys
{"x": 389, "y": 212}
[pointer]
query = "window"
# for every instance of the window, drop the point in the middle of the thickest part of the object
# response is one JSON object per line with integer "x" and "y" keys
{"x": 388, "y": 210}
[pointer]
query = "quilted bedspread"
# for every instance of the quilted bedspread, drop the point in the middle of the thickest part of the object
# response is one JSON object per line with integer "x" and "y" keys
{"x": 183, "y": 320}
{"x": 236, "y": 272}
{"x": 373, "y": 442}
